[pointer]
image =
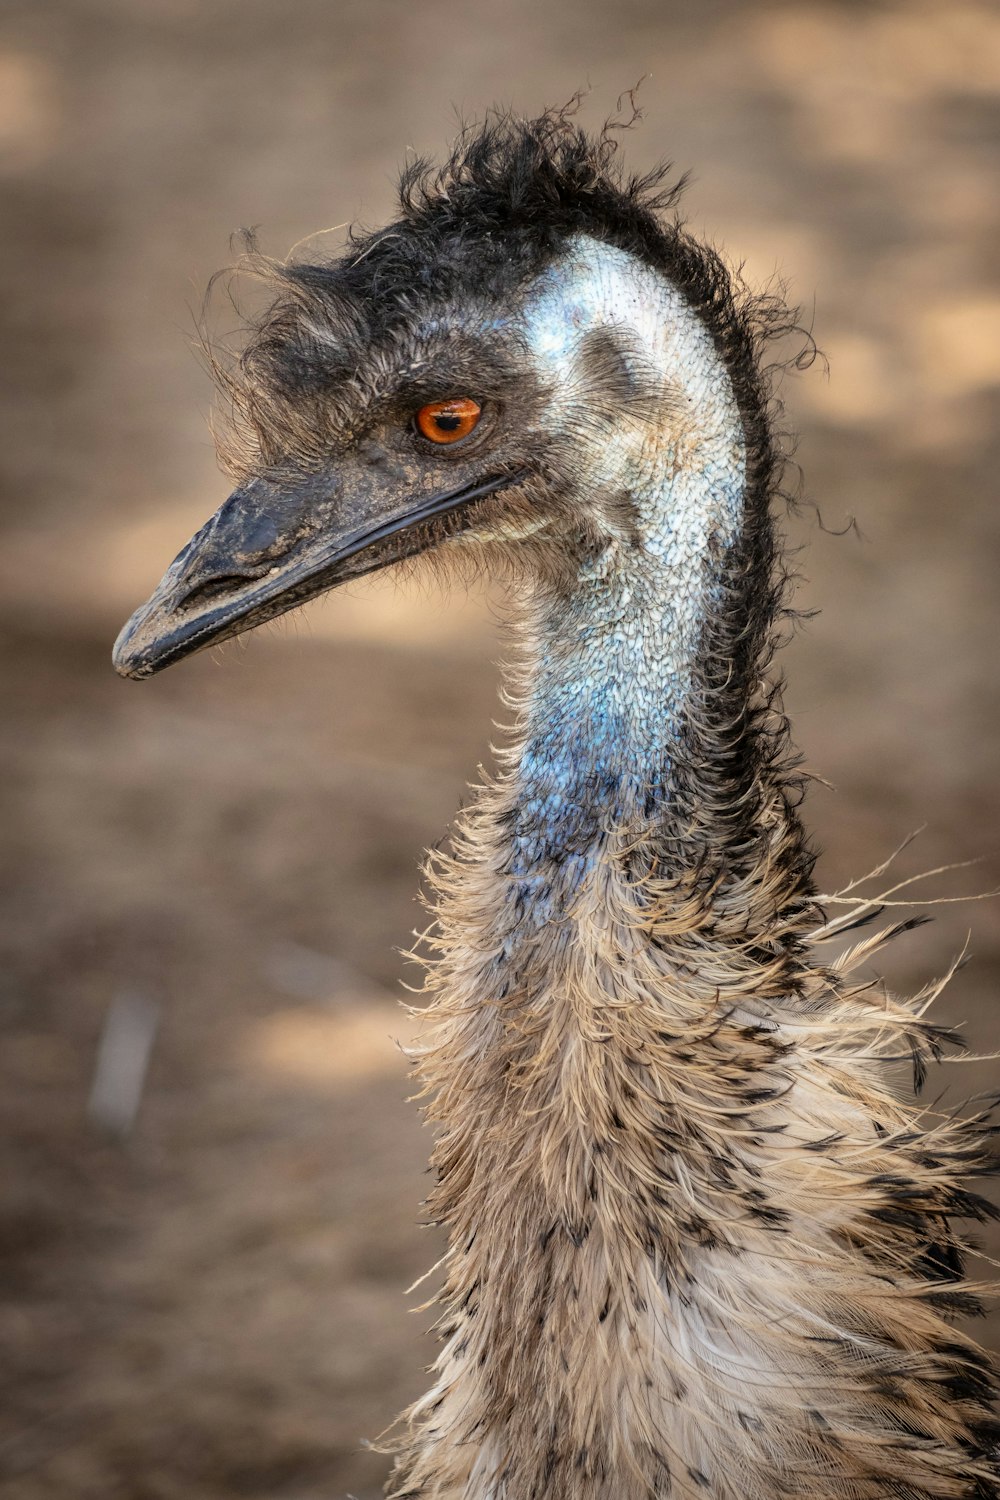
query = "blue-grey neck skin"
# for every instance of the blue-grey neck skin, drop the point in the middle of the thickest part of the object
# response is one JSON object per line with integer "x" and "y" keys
{"x": 615, "y": 657}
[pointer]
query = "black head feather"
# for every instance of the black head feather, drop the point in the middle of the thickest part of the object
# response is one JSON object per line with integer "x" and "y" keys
{"x": 475, "y": 230}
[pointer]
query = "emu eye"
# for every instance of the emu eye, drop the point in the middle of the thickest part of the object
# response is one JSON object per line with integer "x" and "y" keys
{"x": 448, "y": 421}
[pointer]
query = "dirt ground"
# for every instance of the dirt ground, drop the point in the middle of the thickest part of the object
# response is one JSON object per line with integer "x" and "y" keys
{"x": 215, "y": 1306}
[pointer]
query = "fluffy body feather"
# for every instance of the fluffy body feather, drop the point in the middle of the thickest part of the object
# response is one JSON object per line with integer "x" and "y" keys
{"x": 700, "y": 1243}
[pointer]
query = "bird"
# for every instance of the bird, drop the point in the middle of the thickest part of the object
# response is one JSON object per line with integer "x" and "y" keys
{"x": 701, "y": 1238}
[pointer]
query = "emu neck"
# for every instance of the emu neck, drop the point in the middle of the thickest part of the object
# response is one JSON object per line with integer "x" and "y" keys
{"x": 613, "y": 670}
{"x": 615, "y": 662}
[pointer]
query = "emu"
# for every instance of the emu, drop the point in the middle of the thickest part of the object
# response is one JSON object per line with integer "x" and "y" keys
{"x": 700, "y": 1243}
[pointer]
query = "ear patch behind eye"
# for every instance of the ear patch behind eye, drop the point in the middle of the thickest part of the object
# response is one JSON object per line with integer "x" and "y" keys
{"x": 448, "y": 421}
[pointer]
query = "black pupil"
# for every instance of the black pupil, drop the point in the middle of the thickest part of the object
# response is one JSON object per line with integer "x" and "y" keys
{"x": 447, "y": 421}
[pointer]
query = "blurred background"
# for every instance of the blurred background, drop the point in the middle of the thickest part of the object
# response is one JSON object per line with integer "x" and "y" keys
{"x": 203, "y": 1285}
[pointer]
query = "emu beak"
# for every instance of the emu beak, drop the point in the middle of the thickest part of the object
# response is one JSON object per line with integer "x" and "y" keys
{"x": 270, "y": 547}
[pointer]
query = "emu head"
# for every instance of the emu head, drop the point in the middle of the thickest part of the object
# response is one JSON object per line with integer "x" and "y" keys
{"x": 499, "y": 369}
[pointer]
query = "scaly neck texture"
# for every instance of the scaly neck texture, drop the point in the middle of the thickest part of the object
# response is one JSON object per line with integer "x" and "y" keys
{"x": 688, "y": 1218}
{"x": 618, "y": 656}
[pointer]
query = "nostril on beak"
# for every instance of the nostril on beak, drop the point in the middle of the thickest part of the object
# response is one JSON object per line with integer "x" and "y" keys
{"x": 220, "y": 584}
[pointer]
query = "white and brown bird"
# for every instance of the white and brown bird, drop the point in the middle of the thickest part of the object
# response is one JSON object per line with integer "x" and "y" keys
{"x": 699, "y": 1243}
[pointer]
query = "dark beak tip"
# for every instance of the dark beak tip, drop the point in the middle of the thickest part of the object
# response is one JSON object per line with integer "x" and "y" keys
{"x": 133, "y": 671}
{"x": 128, "y": 657}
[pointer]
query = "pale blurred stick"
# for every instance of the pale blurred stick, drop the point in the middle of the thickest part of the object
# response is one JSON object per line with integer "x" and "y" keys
{"x": 123, "y": 1055}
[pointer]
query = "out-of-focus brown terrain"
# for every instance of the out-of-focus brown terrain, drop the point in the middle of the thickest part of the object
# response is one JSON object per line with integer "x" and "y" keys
{"x": 215, "y": 1306}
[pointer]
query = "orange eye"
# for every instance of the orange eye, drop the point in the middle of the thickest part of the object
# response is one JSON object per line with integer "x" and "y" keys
{"x": 448, "y": 421}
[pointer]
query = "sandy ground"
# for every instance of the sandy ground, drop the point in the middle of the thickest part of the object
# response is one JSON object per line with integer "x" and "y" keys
{"x": 215, "y": 1307}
